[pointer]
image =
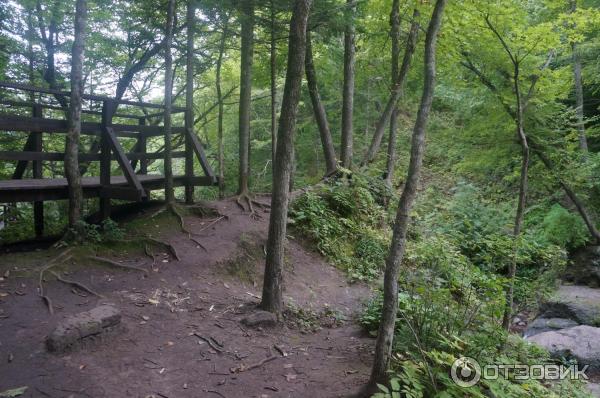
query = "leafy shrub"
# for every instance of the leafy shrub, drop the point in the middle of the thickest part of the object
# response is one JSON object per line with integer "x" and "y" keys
{"x": 347, "y": 225}
{"x": 563, "y": 228}
{"x": 449, "y": 308}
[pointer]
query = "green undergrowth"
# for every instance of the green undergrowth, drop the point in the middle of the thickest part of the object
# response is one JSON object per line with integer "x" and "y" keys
{"x": 451, "y": 287}
{"x": 347, "y": 223}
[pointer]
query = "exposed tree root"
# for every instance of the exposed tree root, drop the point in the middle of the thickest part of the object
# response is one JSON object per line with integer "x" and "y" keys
{"x": 244, "y": 368}
{"x": 62, "y": 257}
{"x": 157, "y": 242}
{"x": 246, "y": 202}
{"x": 116, "y": 264}
{"x": 78, "y": 285}
{"x": 210, "y": 224}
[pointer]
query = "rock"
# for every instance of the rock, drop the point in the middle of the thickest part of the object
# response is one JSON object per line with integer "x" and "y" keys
{"x": 579, "y": 303}
{"x": 579, "y": 342}
{"x": 260, "y": 318}
{"x": 594, "y": 389}
{"x": 585, "y": 268}
{"x": 541, "y": 325}
{"x": 80, "y": 326}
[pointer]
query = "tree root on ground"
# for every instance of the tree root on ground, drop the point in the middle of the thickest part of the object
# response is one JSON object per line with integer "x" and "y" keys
{"x": 157, "y": 242}
{"x": 62, "y": 257}
{"x": 116, "y": 264}
{"x": 246, "y": 202}
{"x": 76, "y": 284}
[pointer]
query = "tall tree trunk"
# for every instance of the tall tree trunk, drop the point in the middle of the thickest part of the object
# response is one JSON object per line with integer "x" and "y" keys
{"x": 319, "y": 109}
{"x": 272, "y": 295}
{"x": 583, "y": 145}
{"x": 395, "y": 35}
{"x": 168, "y": 165}
{"x": 247, "y": 56}
{"x": 74, "y": 120}
{"x": 385, "y": 337}
{"x": 221, "y": 154}
{"x": 523, "y": 188}
{"x": 348, "y": 90}
{"x": 397, "y": 89}
{"x": 273, "y": 70}
{"x": 189, "y": 96}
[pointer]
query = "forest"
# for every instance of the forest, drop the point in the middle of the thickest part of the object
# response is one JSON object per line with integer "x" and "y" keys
{"x": 293, "y": 198}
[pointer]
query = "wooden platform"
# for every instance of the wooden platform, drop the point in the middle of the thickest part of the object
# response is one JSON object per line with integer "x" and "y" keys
{"x": 32, "y": 190}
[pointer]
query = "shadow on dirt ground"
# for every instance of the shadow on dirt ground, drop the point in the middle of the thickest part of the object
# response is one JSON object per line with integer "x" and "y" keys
{"x": 182, "y": 333}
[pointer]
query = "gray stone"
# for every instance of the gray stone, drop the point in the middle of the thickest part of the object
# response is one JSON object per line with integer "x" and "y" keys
{"x": 541, "y": 325}
{"x": 83, "y": 325}
{"x": 594, "y": 389}
{"x": 580, "y": 342}
{"x": 260, "y": 318}
{"x": 579, "y": 303}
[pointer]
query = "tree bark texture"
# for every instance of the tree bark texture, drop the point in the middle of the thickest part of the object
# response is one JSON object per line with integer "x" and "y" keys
{"x": 74, "y": 131}
{"x": 348, "y": 89}
{"x": 319, "y": 109}
{"x": 272, "y": 295}
{"x": 385, "y": 337}
{"x": 247, "y": 56}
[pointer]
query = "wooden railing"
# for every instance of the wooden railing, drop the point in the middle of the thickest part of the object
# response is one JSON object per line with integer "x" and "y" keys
{"x": 109, "y": 148}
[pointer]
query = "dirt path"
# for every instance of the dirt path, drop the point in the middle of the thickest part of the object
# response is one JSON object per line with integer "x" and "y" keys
{"x": 205, "y": 292}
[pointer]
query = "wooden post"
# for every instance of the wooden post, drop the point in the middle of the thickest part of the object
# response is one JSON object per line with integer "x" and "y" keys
{"x": 143, "y": 148}
{"x": 38, "y": 207}
{"x": 105, "y": 156}
{"x": 189, "y": 157}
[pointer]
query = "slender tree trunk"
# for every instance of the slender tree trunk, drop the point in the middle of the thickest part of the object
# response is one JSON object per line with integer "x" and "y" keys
{"x": 273, "y": 70}
{"x": 397, "y": 89}
{"x": 523, "y": 189}
{"x": 348, "y": 90}
{"x": 74, "y": 120}
{"x": 385, "y": 337}
{"x": 189, "y": 96}
{"x": 272, "y": 295}
{"x": 395, "y": 35}
{"x": 247, "y": 56}
{"x": 583, "y": 145}
{"x": 169, "y": 192}
{"x": 221, "y": 154}
{"x": 319, "y": 109}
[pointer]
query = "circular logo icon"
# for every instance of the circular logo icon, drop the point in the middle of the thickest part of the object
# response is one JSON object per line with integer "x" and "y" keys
{"x": 465, "y": 372}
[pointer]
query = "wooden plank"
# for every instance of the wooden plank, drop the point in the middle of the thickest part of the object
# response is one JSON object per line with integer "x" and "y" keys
{"x": 28, "y": 156}
{"x": 105, "y": 157}
{"x": 22, "y": 164}
{"x": 199, "y": 150}
{"x": 38, "y": 206}
{"x": 123, "y": 161}
{"x": 30, "y": 190}
{"x": 67, "y": 94}
{"x": 38, "y": 125}
{"x": 22, "y": 104}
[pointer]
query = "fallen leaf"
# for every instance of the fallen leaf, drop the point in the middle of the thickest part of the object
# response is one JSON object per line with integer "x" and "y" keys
{"x": 290, "y": 377}
{"x": 145, "y": 317}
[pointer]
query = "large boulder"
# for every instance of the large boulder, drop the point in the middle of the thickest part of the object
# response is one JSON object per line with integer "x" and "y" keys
{"x": 580, "y": 342}
{"x": 75, "y": 328}
{"x": 541, "y": 325}
{"x": 585, "y": 267}
{"x": 578, "y": 303}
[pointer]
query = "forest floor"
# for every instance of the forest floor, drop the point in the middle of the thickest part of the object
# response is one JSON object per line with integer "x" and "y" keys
{"x": 319, "y": 351}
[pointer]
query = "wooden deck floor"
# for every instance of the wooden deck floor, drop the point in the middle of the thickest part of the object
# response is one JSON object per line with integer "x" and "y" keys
{"x": 30, "y": 190}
